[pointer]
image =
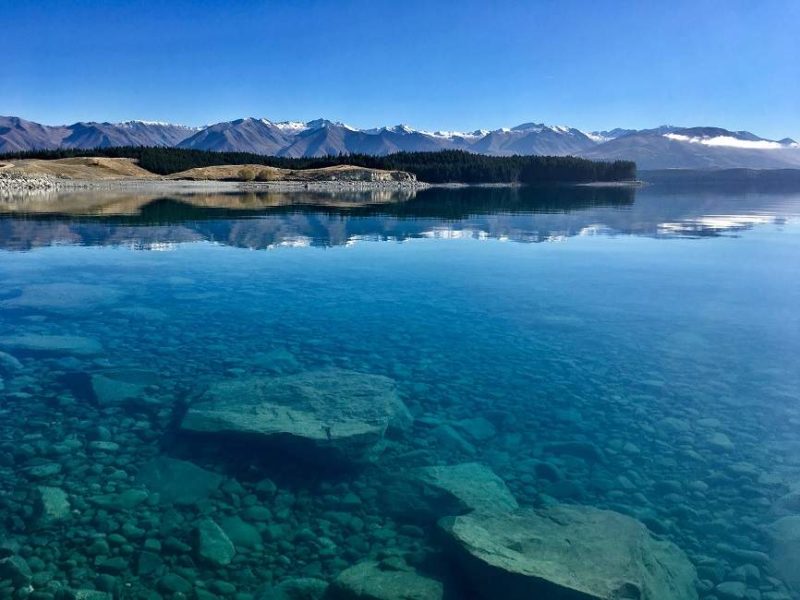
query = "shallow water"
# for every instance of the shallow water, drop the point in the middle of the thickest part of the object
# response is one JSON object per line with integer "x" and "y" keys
{"x": 657, "y": 327}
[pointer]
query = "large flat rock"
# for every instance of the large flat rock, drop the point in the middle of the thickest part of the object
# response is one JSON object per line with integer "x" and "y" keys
{"x": 426, "y": 494}
{"x": 63, "y": 297}
{"x": 178, "y": 481}
{"x": 331, "y": 413}
{"x": 56, "y": 344}
{"x": 368, "y": 580}
{"x": 570, "y": 553}
{"x": 785, "y": 535}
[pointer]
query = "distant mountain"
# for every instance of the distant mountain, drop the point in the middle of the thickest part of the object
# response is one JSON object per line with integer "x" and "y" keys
{"x": 697, "y": 148}
{"x": 18, "y": 134}
{"x": 248, "y": 135}
{"x": 664, "y": 147}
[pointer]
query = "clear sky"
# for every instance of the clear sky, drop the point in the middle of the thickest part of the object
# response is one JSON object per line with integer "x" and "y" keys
{"x": 592, "y": 64}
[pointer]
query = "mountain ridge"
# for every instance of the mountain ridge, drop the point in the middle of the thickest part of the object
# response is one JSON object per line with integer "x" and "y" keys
{"x": 661, "y": 147}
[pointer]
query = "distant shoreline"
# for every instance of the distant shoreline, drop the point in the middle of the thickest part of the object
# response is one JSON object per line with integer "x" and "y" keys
{"x": 33, "y": 184}
{"x": 25, "y": 183}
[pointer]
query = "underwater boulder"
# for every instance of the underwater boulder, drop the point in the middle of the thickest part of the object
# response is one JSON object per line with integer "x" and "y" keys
{"x": 569, "y": 552}
{"x": 329, "y": 414}
{"x": 785, "y": 554}
{"x": 298, "y": 588}
{"x": 51, "y": 505}
{"x": 426, "y": 494}
{"x": 52, "y": 344}
{"x": 119, "y": 386}
{"x": 370, "y": 580}
{"x": 213, "y": 544}
{"x": 178, "y": 481}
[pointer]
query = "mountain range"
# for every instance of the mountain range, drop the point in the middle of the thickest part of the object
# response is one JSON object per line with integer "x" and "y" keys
{"x": 665, "y": 147}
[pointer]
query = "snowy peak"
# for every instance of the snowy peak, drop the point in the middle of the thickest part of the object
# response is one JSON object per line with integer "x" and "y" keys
{"x": 666, "y": 146}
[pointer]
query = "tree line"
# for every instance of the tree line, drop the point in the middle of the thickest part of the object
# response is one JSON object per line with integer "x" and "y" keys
{"x": 445, "y": 166}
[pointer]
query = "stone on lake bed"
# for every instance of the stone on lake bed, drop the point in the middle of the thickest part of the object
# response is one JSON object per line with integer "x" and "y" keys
{"x": 9, "y": 363}
{"x": 56, "y": 344}
{"x": 121, "y": 385}
{"x": 241, "y": 533}
{"x": 126, "y": 500}
{"x": 369, "y": 580}
{"x": 52, "y": 505}
{"x": 62, "y": 297}
{"x": 426, "y": 494}
{"x": 178, "y": 481}
{"x": 44, "y": 471}
{"x": 213, "y": 545}
{"x": 333, "y": 414}
{"x": 90, "y": 595}
{"x": 721, "y": 442}
{"x": 474, "y": 484}
{"x": 15, "y": 569}
{"x": 298, "y": 588}
{"x": 785, "y": 554}
{"x": 567, "y": 552}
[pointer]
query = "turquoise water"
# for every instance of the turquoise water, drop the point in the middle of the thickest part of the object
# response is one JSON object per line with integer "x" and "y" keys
{"x": 629, "y": 350}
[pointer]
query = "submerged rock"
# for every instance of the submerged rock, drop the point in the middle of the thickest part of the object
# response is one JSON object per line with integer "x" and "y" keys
{"x": 16, "y": 570}
{"x": 330, "y": 413}
{"x": 241, "y": 533}
{"x": 472, "y": 484}
{"x": 178, "y": 481}
{"x": 428, "y": 493}
{"x": 568, "y": 552}
{"x": 122, "y": 385}
{"x": 9, "y": 363}
{"x": 62, "y": 297}
{"x": 57, "y": 344}
{"x": 212, "y": 543}
{"x": 370, "y": 580}
{"x": 298, "y": 588}
{"x": 52, "y": 505}
{"x": 785, "y": 535}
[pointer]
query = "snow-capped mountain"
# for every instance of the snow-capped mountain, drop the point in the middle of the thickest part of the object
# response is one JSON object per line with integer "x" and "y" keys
{"x": 659, "y": 148}
{"x": 669, "y": 147}
{"x": 18, "y": 134}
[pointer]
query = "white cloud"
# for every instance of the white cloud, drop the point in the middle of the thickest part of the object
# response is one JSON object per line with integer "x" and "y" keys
{"x": 727, "y": 141}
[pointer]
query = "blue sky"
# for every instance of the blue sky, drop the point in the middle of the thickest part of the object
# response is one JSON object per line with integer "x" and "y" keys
{"x": 444, "y": 65}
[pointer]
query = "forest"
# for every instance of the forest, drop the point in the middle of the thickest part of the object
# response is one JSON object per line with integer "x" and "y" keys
{"x": 446, "y": 166}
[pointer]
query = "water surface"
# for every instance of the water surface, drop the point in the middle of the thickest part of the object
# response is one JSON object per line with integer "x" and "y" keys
{"x": 657, "y": 327}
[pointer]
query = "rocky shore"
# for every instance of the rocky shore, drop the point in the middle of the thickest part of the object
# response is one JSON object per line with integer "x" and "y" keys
{"x": 15, "y": 184}
{"x": 18, "y": 183}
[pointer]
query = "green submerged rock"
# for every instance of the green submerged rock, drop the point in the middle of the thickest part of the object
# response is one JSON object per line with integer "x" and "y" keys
{"x": 785, "y": 553}
{"x": 571, "y": 552}
{"x": 178, "y": 481}
{"x": 56, "y": 344}
{"x": 121, "y": 385}
{"x": 126, "y": 500}
{"x": 16, "y": 570}
{"x": 52, "y": 505}
{"x": 91, "y": 595}
{"x": 428, "y": 493}
{"x": 299, "y": 588}
{"x": 213, "y": 545}
{"x": 369, "y": 580}
{"x": 329, "y": 414}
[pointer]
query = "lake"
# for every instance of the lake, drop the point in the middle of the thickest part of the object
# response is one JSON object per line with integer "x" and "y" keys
{"x": 632, "y": 350}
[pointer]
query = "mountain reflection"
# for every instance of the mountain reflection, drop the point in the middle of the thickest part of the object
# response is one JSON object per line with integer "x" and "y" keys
{"x": 269, "y": 220}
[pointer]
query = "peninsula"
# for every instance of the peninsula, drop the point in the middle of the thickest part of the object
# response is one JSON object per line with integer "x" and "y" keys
{"x": 168, "y": 167}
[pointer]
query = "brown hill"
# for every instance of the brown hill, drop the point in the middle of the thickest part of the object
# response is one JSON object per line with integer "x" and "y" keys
{"x": 89, "y": 168}
{"x": 263, "y": 173}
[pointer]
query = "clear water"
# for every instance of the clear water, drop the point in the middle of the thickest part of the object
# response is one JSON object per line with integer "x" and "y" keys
{"x": 659, "y": 325}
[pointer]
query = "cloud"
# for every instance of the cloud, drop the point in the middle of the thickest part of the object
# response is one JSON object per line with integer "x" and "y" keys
{"x": 727, "y": 141}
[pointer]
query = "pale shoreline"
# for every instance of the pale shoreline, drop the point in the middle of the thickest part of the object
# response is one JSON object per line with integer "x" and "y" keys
{"x": 26, "y": 184}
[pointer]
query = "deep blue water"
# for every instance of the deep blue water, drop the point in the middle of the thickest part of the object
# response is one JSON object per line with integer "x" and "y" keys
{"x": 658, "y": 327}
